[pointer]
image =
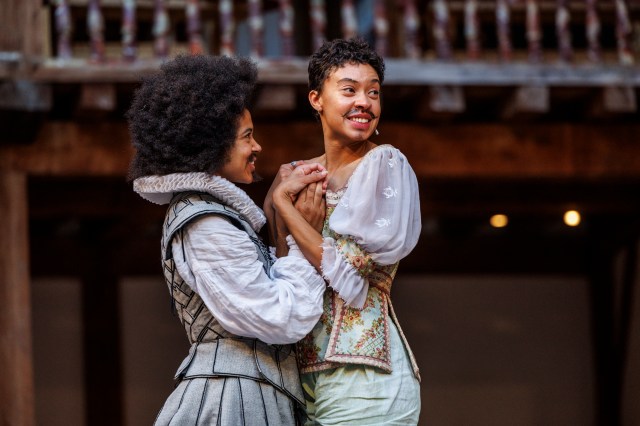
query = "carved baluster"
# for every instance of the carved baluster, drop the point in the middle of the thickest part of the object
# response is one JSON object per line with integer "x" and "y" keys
{"x": 349, "y": 21}
{"x": 381, "y": 27}
{"x": 441, "y": 29}
{"x": 64, "y": 29}
{"x": 563, "y": 17}
{"x": 623, "y": 33}
{"x": 194, "y": 27}
{"x": 287, "y": 15}
{"x": 534, "y": 34}
{"x": 593, "y": 31}
{"x": 318, "y": 15}
{"x": 160, "y": 29}
{"x": 411, "y": 25}
{"x": 227, "y": 24}
{"x": 503, "y": 19}
{"x": 472, "y": 28}
{"x": 256, "y": 25}
{"x": 129, "y": 30}
{"x": 95, "y": 26}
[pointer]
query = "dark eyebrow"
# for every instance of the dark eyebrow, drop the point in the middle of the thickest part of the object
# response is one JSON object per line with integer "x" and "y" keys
{"x": 350, "y": 80}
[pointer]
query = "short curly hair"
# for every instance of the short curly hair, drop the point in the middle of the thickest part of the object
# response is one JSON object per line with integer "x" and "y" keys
{"x": 185, "y": 118}
{"x": 336, "y": 54}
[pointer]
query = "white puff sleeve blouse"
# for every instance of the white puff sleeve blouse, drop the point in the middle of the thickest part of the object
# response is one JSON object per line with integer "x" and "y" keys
{"x": 378, "y": 219}
{"x": 221, "y": 264}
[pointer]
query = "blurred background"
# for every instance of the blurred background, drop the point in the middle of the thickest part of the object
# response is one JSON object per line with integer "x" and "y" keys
{"x": 519, "y": 117}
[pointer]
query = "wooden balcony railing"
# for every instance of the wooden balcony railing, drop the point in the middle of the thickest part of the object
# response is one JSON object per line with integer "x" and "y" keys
{"x": 420, "y": 30}
{"x": 517, "y": 43}
{"x": 463, "y": 40}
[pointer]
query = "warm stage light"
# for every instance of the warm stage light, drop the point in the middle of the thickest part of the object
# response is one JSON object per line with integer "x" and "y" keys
{"x": 499, "y": 220}
{"x": 572, "y": 218}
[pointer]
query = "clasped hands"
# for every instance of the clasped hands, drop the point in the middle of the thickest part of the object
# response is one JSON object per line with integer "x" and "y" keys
{"x": 304, "y": 186}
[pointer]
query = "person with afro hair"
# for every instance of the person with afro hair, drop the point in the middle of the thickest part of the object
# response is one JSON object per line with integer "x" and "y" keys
{"x": 241, "y": 308}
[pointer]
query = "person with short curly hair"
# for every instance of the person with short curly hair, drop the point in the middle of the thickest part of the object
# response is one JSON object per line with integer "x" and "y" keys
{"x": 241, "y": 308}
{"x": 356, "y": 364}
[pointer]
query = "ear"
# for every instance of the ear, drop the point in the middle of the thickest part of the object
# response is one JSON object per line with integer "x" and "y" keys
{"x": 315, "y": 100}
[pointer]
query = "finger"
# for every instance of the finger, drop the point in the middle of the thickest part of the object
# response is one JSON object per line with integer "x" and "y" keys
{"x": 309, "y": 168}
{"x": 313, "y": 177}
{"x": 318, "y": 193}
{"x": 305, "y": 193}
{"x": 284, "y": 171}
{"x": 311, "y": 190}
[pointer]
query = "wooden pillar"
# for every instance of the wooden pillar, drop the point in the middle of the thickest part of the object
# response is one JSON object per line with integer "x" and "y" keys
{"x": 104, "y": 394}
{"x": 16, "y": 365}
{"x": 21, "y": 29}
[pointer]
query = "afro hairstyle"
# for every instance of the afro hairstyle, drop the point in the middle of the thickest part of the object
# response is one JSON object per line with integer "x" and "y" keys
{"x": 185, "y": 117}
{"x": 336, "y": 54}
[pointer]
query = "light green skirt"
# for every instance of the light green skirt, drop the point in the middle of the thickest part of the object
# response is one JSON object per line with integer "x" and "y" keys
{"x": 364, "y": 395}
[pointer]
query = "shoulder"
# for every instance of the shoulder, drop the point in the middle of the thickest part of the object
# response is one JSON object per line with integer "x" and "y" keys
{"x": 383, "y": 157}
{"x": 382, "y": 152}
{"x": 212, "y": 223}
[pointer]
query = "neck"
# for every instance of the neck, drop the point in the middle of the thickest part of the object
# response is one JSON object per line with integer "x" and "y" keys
{"x": 341, "y": 159}
{"x": 338, "y": 154}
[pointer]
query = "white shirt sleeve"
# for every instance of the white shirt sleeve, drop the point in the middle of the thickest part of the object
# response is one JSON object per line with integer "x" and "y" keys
{"x": 221, "y": 264}
{"x": 379, "y": 214}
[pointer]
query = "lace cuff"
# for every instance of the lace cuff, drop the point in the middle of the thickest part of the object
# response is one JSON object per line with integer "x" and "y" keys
{"x": 355, "y": 255}
{"x": 294, "y": 250}
{"x": 342, "y": 275}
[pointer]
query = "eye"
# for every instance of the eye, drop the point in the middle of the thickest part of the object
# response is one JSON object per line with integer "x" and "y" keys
{"x": 349, "y": 90}
{"x": 374, "y": 92}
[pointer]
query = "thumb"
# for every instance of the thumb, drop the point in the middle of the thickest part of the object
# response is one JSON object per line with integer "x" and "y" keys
{"x": 313, "y": 176}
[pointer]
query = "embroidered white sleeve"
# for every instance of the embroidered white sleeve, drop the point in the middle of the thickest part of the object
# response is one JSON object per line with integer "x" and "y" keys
{"x": 383, "y": 210}
{"x": 385, "y": 223}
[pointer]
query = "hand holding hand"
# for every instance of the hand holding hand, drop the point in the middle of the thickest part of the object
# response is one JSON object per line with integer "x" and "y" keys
{"x": 298, "y": 180}
{"x": 311, "y": 204}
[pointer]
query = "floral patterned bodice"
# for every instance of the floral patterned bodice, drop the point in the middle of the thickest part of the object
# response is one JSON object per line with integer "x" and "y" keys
{"x": 347, "y": 335}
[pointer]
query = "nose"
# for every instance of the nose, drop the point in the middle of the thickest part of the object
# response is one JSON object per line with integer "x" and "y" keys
{"x": 362, "y": 101}
{"x": 256, "y": 146}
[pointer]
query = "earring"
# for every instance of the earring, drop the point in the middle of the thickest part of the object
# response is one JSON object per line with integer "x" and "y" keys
{"x": 376, "y": 132}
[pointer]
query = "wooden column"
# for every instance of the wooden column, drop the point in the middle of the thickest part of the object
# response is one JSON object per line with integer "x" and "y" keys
{"x": 16, "y": 366}
{"x": 21, "y": 29}
{"x": 102, "y": 363}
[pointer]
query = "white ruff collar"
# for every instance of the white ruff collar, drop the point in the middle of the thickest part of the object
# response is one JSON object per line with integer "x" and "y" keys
{"x": 160, "y": 190}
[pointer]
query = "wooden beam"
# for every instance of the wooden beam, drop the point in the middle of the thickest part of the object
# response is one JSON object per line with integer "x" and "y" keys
{"x": 25, "y": 95}
{"x": 399, "y": 72}
{"x": 98, "y": 97}
{"x": 276, "y": 98}
{"x": 70, "y": 148}
{"x": 526, "y": 101}
{"x": 612, "y": 100}
{"x": 16, "y": 368}
{"x": 446, "y": 99}
{"x": 546, "y": 150}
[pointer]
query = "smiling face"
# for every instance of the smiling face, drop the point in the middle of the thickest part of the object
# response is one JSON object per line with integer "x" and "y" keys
{"x": 240, "y": 167}
{"x": 349, "y": 103}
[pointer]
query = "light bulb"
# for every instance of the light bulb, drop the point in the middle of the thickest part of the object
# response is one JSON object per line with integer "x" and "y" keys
{"x": 572, "y": 218}
{"x": 499, "y": 220}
